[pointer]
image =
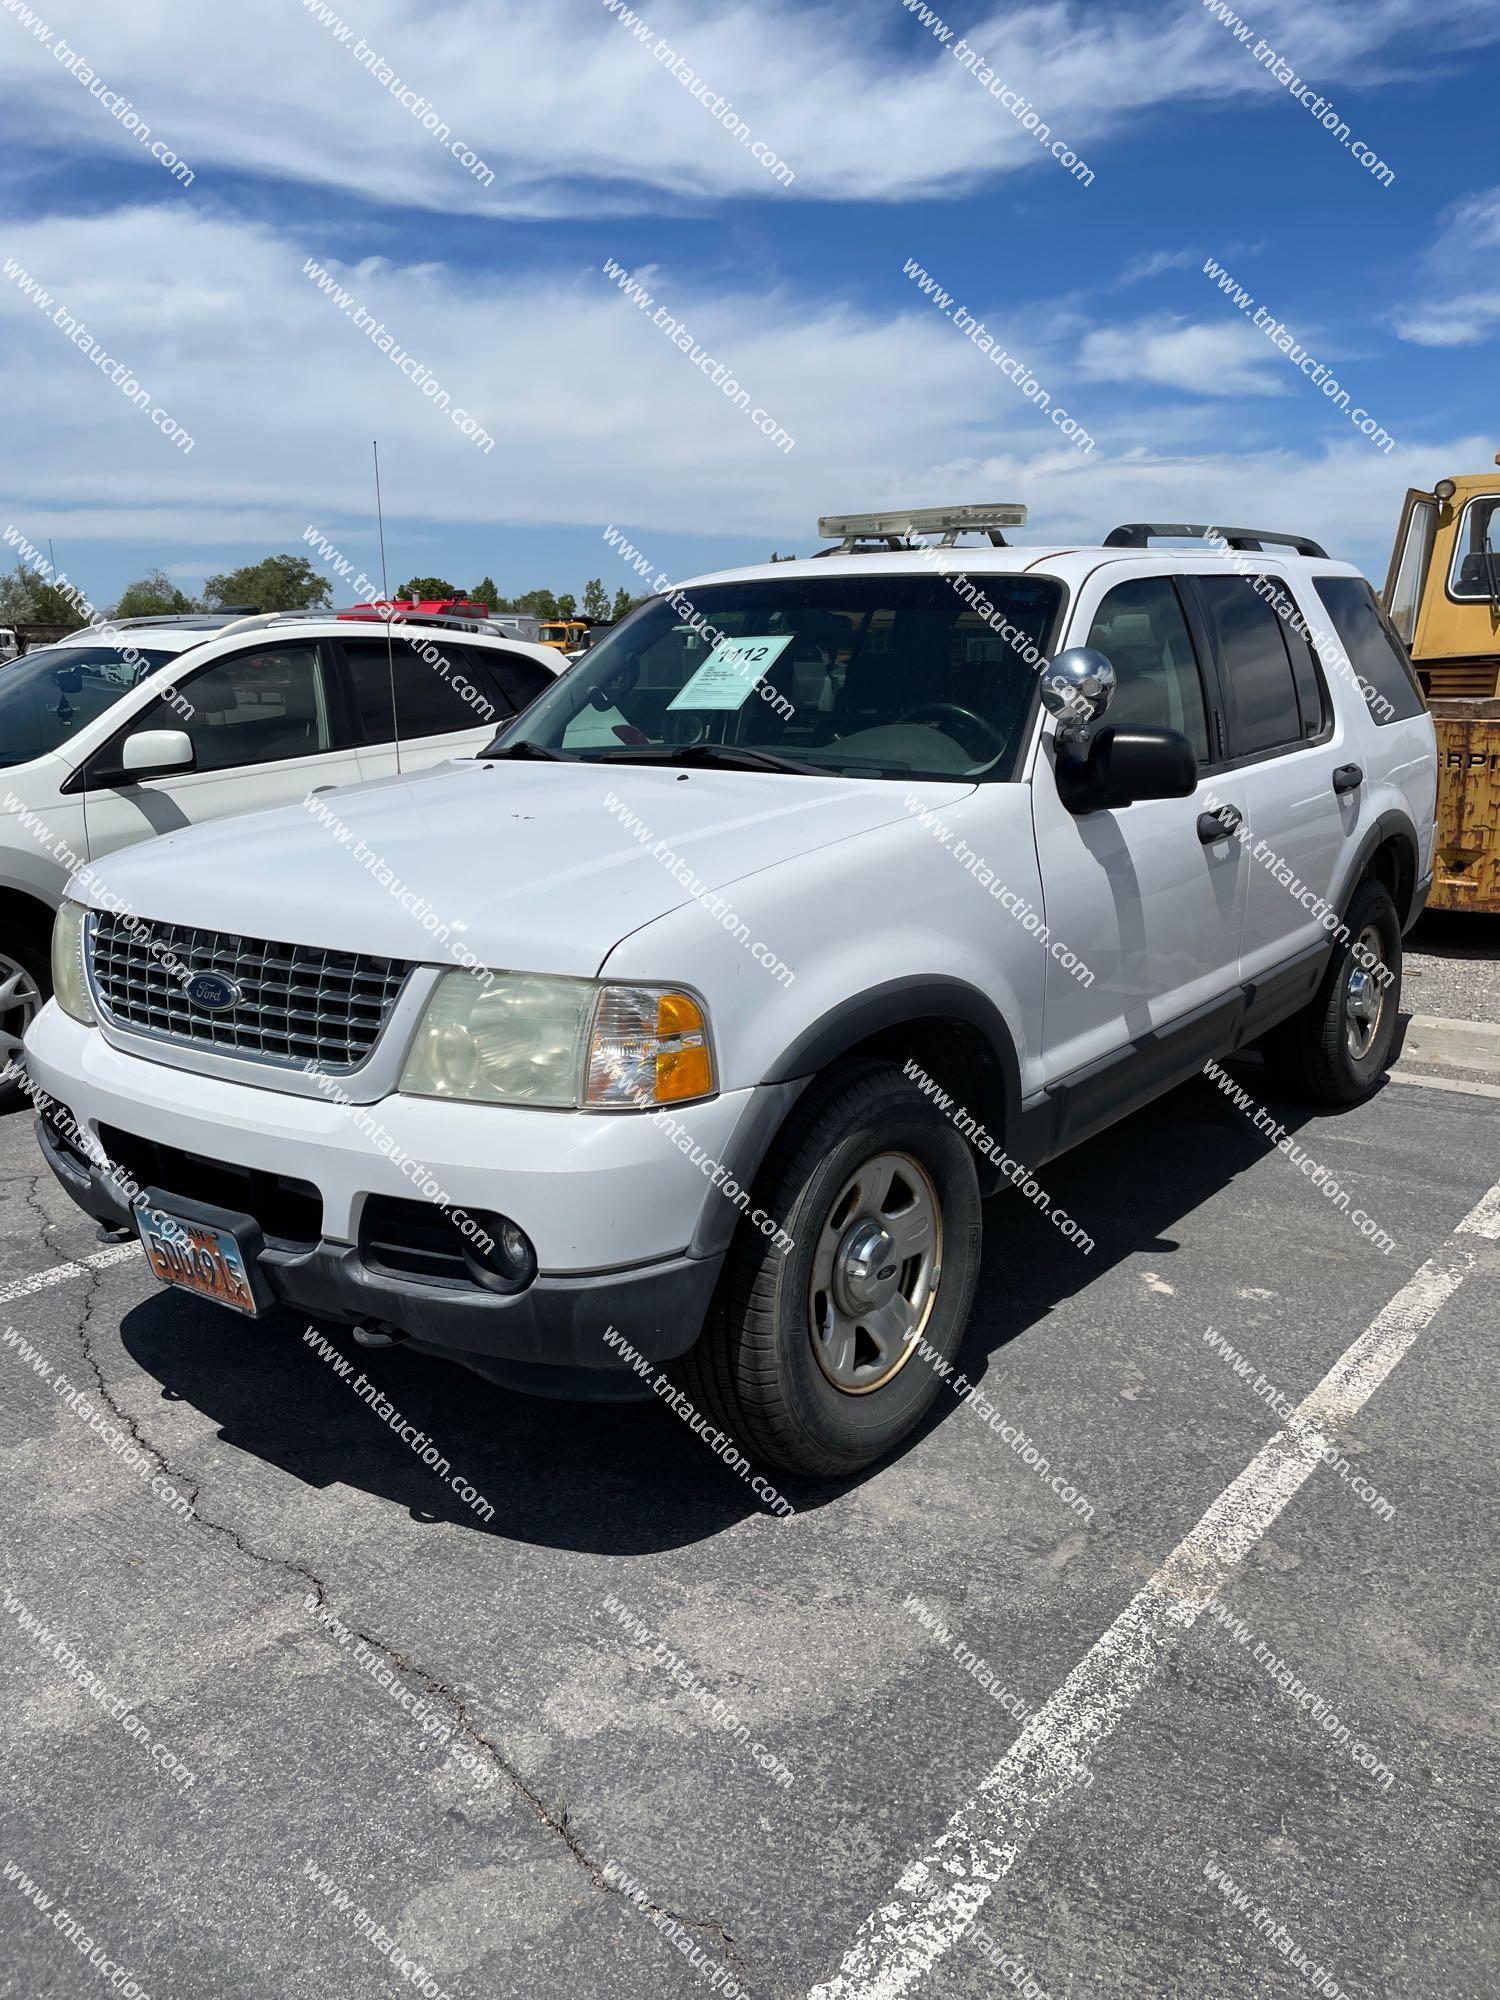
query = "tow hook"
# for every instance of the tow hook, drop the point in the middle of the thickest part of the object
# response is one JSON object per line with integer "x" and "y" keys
{"x": 376, "y": 1333}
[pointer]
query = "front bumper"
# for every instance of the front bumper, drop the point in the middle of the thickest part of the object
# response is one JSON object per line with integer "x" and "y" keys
{"x": 548, "y": 1339}
{"x": 629, "y": 1230}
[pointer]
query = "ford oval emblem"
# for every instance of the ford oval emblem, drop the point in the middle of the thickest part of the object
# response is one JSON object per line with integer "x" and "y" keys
{"x": 213, "y": 991}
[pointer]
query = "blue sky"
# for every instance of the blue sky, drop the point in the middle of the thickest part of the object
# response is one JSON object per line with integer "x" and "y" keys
{"x": 298, "y": 151}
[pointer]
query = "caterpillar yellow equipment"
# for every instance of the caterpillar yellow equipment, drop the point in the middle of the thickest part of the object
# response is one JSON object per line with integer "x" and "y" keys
{"x": 1442, "y": 594}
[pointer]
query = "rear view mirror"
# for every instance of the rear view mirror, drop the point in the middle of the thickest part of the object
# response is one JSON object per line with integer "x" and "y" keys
{"x": 151, "y": 753}
{"x": 1115, "y": 767}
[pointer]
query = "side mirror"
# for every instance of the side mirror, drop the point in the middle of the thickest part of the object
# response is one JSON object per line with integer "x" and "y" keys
{"x": 1118, "y": 766}
{"x": 1077, "y": 686}
{"x": 152, "y": 753}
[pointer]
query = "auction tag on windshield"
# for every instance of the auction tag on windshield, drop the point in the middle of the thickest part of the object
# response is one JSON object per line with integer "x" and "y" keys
{"x": 730, "y": 672}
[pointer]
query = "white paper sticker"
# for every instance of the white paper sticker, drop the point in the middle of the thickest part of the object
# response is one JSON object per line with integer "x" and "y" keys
{"x": 730, "y": 672}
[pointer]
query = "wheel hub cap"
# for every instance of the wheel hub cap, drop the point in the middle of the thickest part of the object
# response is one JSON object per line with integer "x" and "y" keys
{"x": 1364, "y": 996}
{"x": 875, "y": 1272}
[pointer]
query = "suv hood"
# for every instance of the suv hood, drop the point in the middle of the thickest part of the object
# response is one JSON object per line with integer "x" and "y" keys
{"x": 532, "y": 867}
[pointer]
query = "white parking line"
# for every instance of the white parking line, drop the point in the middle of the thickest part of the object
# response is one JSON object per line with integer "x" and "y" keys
{"x": 22, "y": 1288}
{"x": 939, "y": 1894}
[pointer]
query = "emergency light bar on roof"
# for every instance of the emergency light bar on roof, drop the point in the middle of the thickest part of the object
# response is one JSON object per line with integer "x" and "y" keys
{"x": 945, "y": 522}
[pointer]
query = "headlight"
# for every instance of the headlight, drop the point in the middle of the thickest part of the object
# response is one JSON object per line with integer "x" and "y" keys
{"x": 559, "y": 1043}
{"x": 69, "y": 985}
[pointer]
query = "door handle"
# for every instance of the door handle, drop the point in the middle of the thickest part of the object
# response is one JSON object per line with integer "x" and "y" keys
{"x": 1348, "y": 778}
{"x": 1219, "y": 824}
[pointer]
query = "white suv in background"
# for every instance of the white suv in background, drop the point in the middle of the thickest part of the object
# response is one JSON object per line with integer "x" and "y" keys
{"x": 1045, "y": 829}
{"x": 158, "y": 724}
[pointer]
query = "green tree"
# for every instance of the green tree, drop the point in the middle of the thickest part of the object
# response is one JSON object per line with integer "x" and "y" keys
{"x": 567, "y": 605}
{"x": 152, "y": 594}
{"x": 623, "y": 602}
{"x": 487, "y": 591}
{"x": 428, "y": 586}
{"x": 26, "y": 600}
{"x": 540, "y": 603}
{"x": 595, "y": 598}
{"x": 278, "y": 583}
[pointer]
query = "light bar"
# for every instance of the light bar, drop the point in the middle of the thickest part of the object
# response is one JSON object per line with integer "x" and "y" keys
{"x": 923, "y": 521}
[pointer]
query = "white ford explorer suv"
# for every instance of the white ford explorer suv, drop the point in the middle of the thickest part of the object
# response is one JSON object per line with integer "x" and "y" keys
{"x": 114, "y": 735}
{"x": 604, "y": 1049}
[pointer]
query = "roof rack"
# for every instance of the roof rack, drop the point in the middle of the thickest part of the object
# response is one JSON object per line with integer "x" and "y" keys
{"x": 1136, "y": 534}
{"x": 894, "y": 530}
{"x": 203, "y": 620}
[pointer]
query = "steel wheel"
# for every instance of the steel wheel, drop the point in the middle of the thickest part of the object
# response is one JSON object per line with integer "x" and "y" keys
{"x": 1364, "y": 996}
{"x": 20, "y": 1003}
{"x": 875, "y": 1272}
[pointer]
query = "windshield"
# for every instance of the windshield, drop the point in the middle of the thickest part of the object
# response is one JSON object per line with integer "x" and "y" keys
{"x": 49, "y": 695}
{"x": 1476, "y": 551}
{"x": 874, "y": 676}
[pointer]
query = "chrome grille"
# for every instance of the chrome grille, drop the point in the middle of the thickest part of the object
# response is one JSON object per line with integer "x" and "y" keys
{"x": 299, "y": 1004}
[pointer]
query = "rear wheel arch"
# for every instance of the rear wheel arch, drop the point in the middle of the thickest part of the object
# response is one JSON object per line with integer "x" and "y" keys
{"x": 1388, "y": 855}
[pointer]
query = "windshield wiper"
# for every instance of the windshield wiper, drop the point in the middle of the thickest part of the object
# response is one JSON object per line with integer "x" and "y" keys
{"x": 526, "y": 748}
{"x": 728, "y": 756}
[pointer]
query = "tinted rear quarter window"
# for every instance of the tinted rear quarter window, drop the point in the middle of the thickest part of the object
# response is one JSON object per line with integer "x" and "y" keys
{"x": 1264, "y": 713}
{"x": 518, "y": 679}
{"x": 1375, "y": 653}
{"x": 435, "y": 696}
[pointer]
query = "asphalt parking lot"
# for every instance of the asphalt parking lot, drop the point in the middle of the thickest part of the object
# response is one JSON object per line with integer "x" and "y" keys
{"x": 475, "y": 1736}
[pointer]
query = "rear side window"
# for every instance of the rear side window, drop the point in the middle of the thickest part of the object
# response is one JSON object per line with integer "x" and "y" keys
{"x": 1375, "y": 653}
{"x": 1264, "y": 713}
{"x": 437, "y": 693}
{"x": 519, "y": 680}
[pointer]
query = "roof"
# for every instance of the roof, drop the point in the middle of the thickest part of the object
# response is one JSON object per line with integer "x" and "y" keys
{"x": 1069, "y": 562}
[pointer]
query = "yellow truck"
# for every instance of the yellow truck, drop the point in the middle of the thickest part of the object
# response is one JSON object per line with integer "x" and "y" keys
{"x": 566, "y": 634}
{"x": 1442, "y": 594}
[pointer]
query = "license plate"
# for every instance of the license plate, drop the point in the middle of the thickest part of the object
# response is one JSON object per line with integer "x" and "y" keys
{"x": 196, "y": 1258}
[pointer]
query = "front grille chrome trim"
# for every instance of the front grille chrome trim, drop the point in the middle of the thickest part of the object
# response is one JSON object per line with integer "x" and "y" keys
{"x": 301, "y": 1007}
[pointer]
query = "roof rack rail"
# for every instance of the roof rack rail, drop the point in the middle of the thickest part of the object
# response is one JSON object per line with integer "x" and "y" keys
{"x": 1136, "y": 534}
{"x": 200, "y": 618}
{"x": 894, "y": 530}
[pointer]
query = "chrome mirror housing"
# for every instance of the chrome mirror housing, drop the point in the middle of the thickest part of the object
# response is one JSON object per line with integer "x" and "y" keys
{"x": 1077, "y": 686}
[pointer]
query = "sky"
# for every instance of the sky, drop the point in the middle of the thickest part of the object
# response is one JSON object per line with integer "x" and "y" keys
{"x": 591, "y": 149}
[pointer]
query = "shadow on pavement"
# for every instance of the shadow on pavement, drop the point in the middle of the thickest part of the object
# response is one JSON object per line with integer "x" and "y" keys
{"x": 630, "y": 1478}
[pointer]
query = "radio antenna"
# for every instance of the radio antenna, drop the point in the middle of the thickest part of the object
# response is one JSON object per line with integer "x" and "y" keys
{"x": 385, "y": 592}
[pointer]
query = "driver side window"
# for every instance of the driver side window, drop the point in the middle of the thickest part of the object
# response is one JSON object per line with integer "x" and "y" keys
{"x": 1141, "y": 627}
{"x": 255, "y": 707}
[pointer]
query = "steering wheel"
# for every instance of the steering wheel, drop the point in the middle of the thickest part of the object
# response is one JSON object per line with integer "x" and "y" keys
{"x": 930, "y": 710}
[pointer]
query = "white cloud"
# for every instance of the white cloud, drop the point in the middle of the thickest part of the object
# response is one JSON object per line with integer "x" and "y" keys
{"x": 1460, "y": 314}
{"x": 597, "y": 416}
{"x": 574, "y": 115}
{"x": 1172, "y": 353}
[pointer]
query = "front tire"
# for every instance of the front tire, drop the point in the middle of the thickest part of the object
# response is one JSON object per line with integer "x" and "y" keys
{"x": 25, "y": 986}
{"x": 821, "y": 1356}
{"x": 1336, "y": 1050}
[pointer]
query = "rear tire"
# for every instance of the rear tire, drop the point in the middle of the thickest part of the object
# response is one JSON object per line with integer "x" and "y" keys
{"x": 818, "y": 1358}
{"x": 1336, "y": 1050}
{"x": 25, "y": 987}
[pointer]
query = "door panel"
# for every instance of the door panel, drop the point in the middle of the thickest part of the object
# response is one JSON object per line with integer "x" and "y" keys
{"x": 266, "y": 729}
{"x": 1297, "y": 823}
{"x": 445, "y": 706}
{"x": 1154, "y": 913}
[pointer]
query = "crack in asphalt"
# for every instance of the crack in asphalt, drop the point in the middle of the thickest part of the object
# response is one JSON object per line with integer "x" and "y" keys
{"x": 558, "y": 1820}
